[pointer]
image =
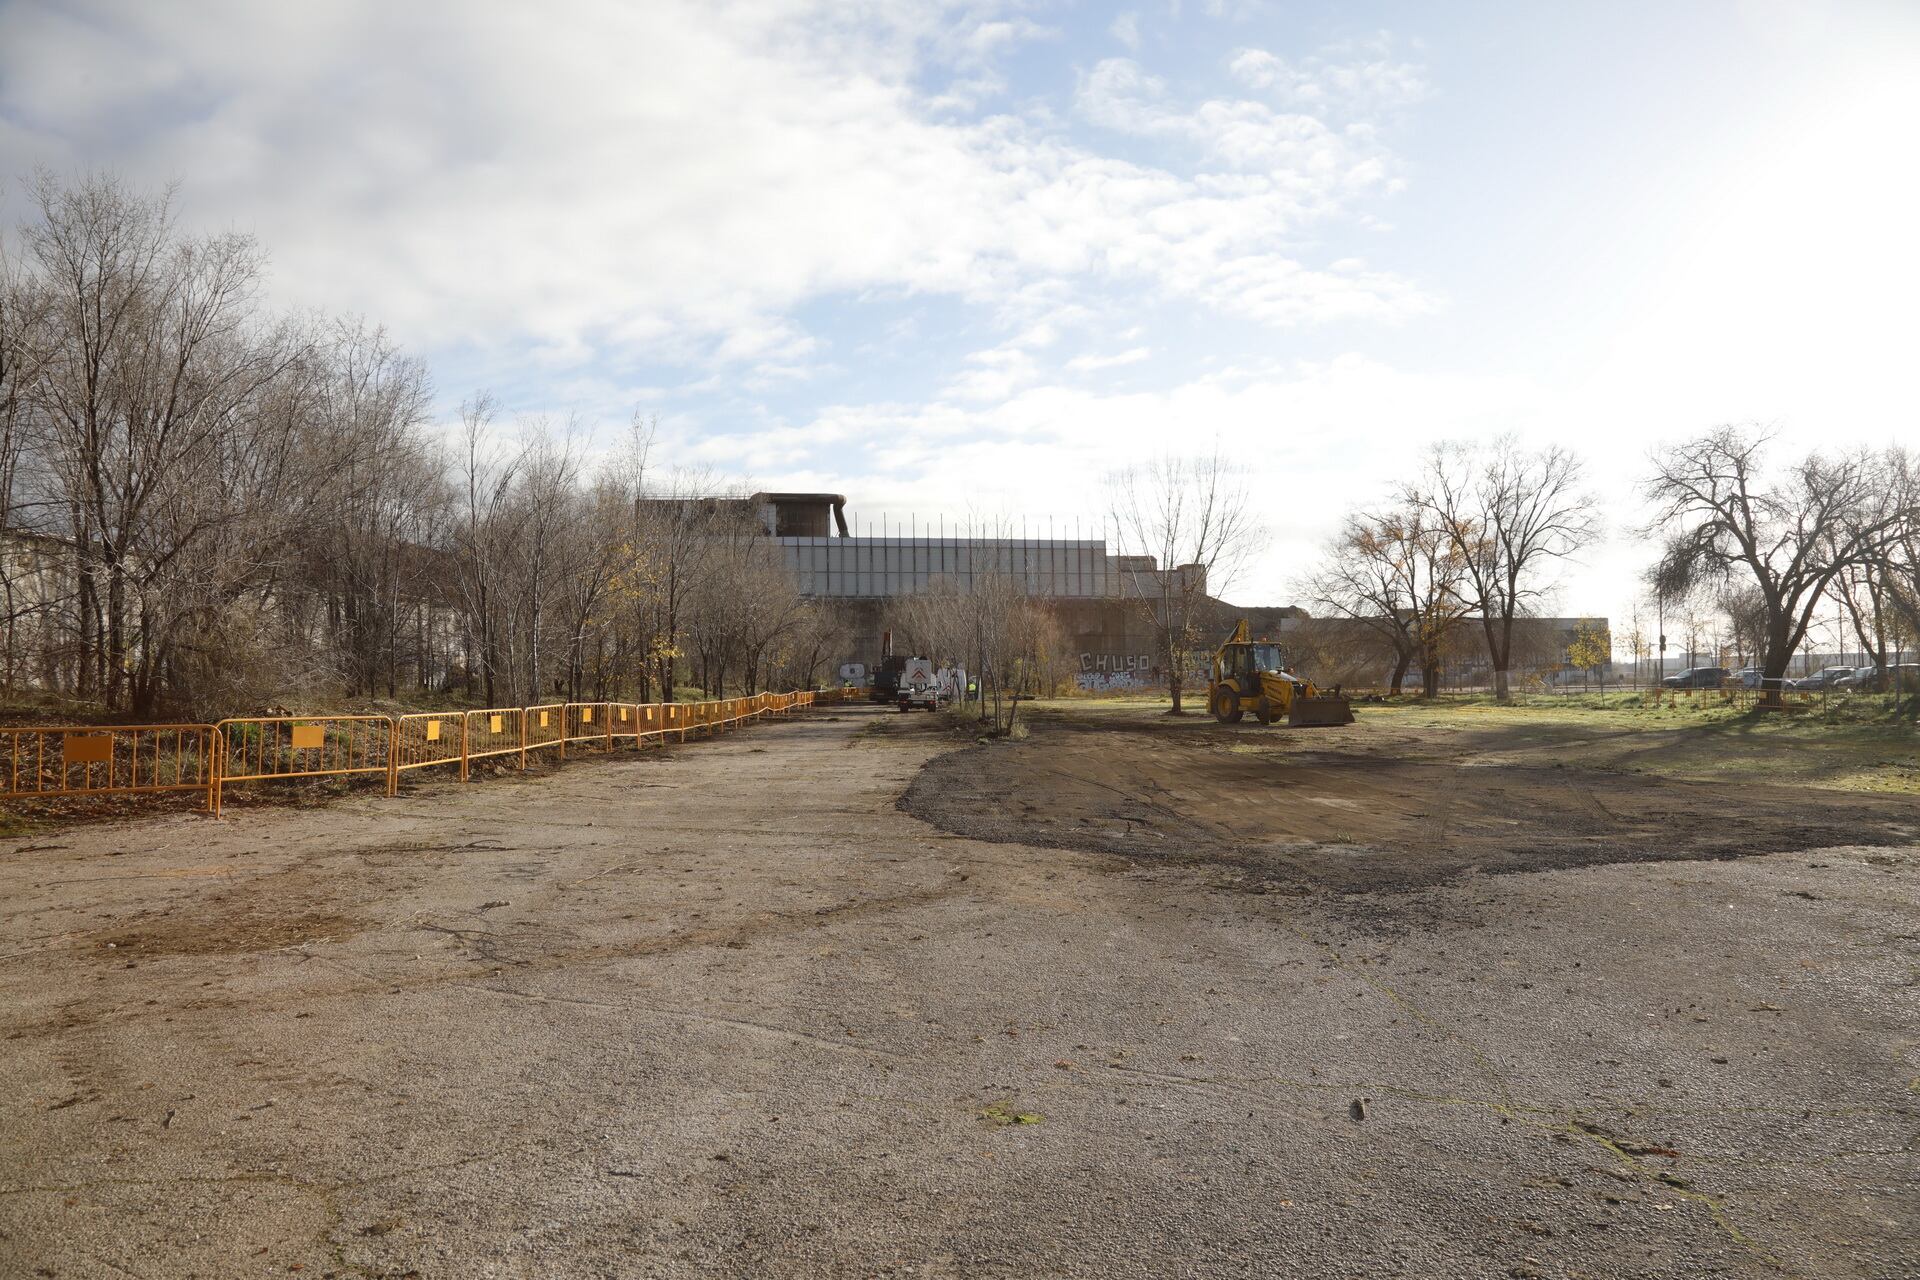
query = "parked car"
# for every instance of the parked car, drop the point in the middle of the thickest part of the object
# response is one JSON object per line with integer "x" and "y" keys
{"x": 1696, "y": 678}
{"x": 1825, "y": 678}
{"x": 1903, "y": 678}
{"x": 1745, "y": 678}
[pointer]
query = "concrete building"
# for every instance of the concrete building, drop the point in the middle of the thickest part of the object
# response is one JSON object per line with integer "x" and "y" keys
{"x": 1095, "y": 593}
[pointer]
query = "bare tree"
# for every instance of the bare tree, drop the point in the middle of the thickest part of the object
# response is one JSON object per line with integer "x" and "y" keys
{"x": 1791, "y": 538}
{"x": 485, "y": 478}
{"x": 1398, "y": 575}
{"x": 548, "y": 496}
{"x": 160, "y": 353}
{"x": 665, "y": 553}
{"x": 1512, "y": 516}
{"x": 941, "y": 623}
{"x": 819, "y": 630}
{"x": 1902, "y": 559}
{"x": 1186, "y": 526}
{"x": 27, "y": 343}
{"x": 1746, "y": 620}
{"x": 385, "y": 497}
{"x": 1014, "y": 638}
{"x": 1637, "y": 641}
{"x": 742, "y": 599}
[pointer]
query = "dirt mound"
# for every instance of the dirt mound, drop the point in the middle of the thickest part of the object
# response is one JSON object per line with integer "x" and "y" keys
{"x": 1363, "y": 821}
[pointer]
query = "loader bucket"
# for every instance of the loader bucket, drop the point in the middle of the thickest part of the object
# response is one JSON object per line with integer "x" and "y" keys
{"x": 1325, "y": 709}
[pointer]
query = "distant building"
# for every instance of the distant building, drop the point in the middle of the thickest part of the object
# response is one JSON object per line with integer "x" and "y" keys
{"x": 1094, "y": 591}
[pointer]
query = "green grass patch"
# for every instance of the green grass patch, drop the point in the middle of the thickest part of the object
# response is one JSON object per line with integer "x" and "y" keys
{"x": 1001, "y": 1114}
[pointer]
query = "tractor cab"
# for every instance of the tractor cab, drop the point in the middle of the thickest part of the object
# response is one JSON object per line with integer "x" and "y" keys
{"x": 1243, "y": 663}
{"x": 1257, "y": 659}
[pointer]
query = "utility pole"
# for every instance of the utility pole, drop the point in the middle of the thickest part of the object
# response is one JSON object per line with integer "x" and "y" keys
{"x": 1660, "y": 616}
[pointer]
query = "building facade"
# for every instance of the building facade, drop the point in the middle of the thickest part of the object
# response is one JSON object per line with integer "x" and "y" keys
{"x": 1097, "y": 598}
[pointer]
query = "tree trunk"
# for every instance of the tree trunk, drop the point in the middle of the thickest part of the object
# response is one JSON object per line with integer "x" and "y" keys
{"x": 1774, "y": 670}
{"x": 1499, "y": 655}
{"x": 116, "y": 635}
{"x": 1174, "y": 675}
{"x": 89, "y": 618}
{"x": 1402, "y": 661}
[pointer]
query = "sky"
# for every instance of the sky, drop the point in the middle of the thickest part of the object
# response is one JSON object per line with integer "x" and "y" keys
{"x": 964, "y": 260}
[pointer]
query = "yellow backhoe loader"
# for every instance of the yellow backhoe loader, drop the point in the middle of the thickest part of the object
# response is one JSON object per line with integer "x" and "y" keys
{"x": 1251, "y": 675}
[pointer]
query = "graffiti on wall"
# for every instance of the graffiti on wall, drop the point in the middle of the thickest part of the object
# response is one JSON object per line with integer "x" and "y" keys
{"x": 1104, "y": 681}
{"x": 1115, "y": 671}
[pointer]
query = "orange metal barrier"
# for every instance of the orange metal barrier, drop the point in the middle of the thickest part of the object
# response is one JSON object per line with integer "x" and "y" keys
{"x": 497, "y": 731}
{"x": 589, "y": 722}
{"x": 74, "y": 761}
{"x": 429, "y": 738}
{"x": 638, "y": 720}
{"x": 64, "y": 760}
{"x": 545, "y": 726}
{"x": 255, "y": 748}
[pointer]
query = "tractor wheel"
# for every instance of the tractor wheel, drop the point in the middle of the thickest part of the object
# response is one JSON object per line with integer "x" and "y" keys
{"x": 1226, "y": 706}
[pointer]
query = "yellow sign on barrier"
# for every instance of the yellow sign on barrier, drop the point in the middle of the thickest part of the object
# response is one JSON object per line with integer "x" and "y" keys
{"x": 433, "y": 731}
{"x": 89, "y": 748}
{"x": 309, "y": 737}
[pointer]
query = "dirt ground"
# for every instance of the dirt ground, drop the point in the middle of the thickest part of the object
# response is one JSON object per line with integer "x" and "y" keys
{"x": 846, "y": 996}
{"x": 1380, "y": 808}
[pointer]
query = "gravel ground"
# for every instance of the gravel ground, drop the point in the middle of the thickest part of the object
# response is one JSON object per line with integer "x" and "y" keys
{"x": 730, "y": 1010}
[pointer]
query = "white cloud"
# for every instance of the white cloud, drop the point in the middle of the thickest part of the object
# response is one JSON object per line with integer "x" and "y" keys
{"x": 1350, "y": 78}
{"x": 1297, "y": 148}
{"x": 1220, "y": 238}
{"x": 1126, "y": 29}
{"x": 1093, "y": 364}
{"x": 994, "y": 374}
{"x": 667, "y": 182}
